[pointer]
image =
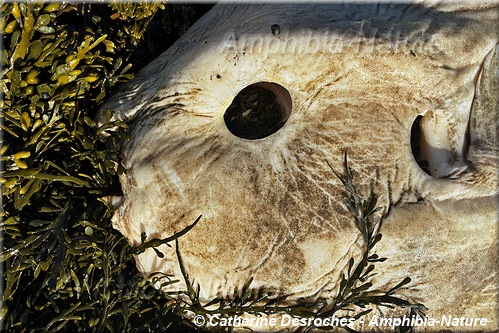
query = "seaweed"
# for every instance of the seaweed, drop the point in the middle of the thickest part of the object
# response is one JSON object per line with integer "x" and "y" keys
{"x": 64, "y": 268}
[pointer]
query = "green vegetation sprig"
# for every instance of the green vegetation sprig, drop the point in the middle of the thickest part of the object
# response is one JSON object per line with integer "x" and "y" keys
{"x": 355, "y": 292}
{"x": 153, "y": 243}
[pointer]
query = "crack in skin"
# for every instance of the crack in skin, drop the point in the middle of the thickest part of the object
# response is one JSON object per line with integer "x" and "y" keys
{"x": 272, "y": 207}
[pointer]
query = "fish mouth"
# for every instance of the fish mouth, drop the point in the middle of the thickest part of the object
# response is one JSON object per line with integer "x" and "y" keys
{"x": 466, "y": 155}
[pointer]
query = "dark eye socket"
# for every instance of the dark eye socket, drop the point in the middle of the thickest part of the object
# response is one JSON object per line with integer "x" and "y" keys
{"x": 258, "y": 111}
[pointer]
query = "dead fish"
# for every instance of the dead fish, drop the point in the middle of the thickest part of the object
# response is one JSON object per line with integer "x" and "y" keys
{"x": 348, "y": 79}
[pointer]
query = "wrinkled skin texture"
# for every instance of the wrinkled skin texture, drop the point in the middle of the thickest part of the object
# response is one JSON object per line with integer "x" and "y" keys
{"x": 272, "y": 208}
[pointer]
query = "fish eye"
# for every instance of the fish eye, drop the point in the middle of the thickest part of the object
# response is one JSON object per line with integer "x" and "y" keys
{"x": 258, "y": 111}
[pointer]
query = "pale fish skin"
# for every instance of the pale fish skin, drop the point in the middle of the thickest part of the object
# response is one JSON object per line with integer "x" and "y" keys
{"x": 358, "y": 76}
